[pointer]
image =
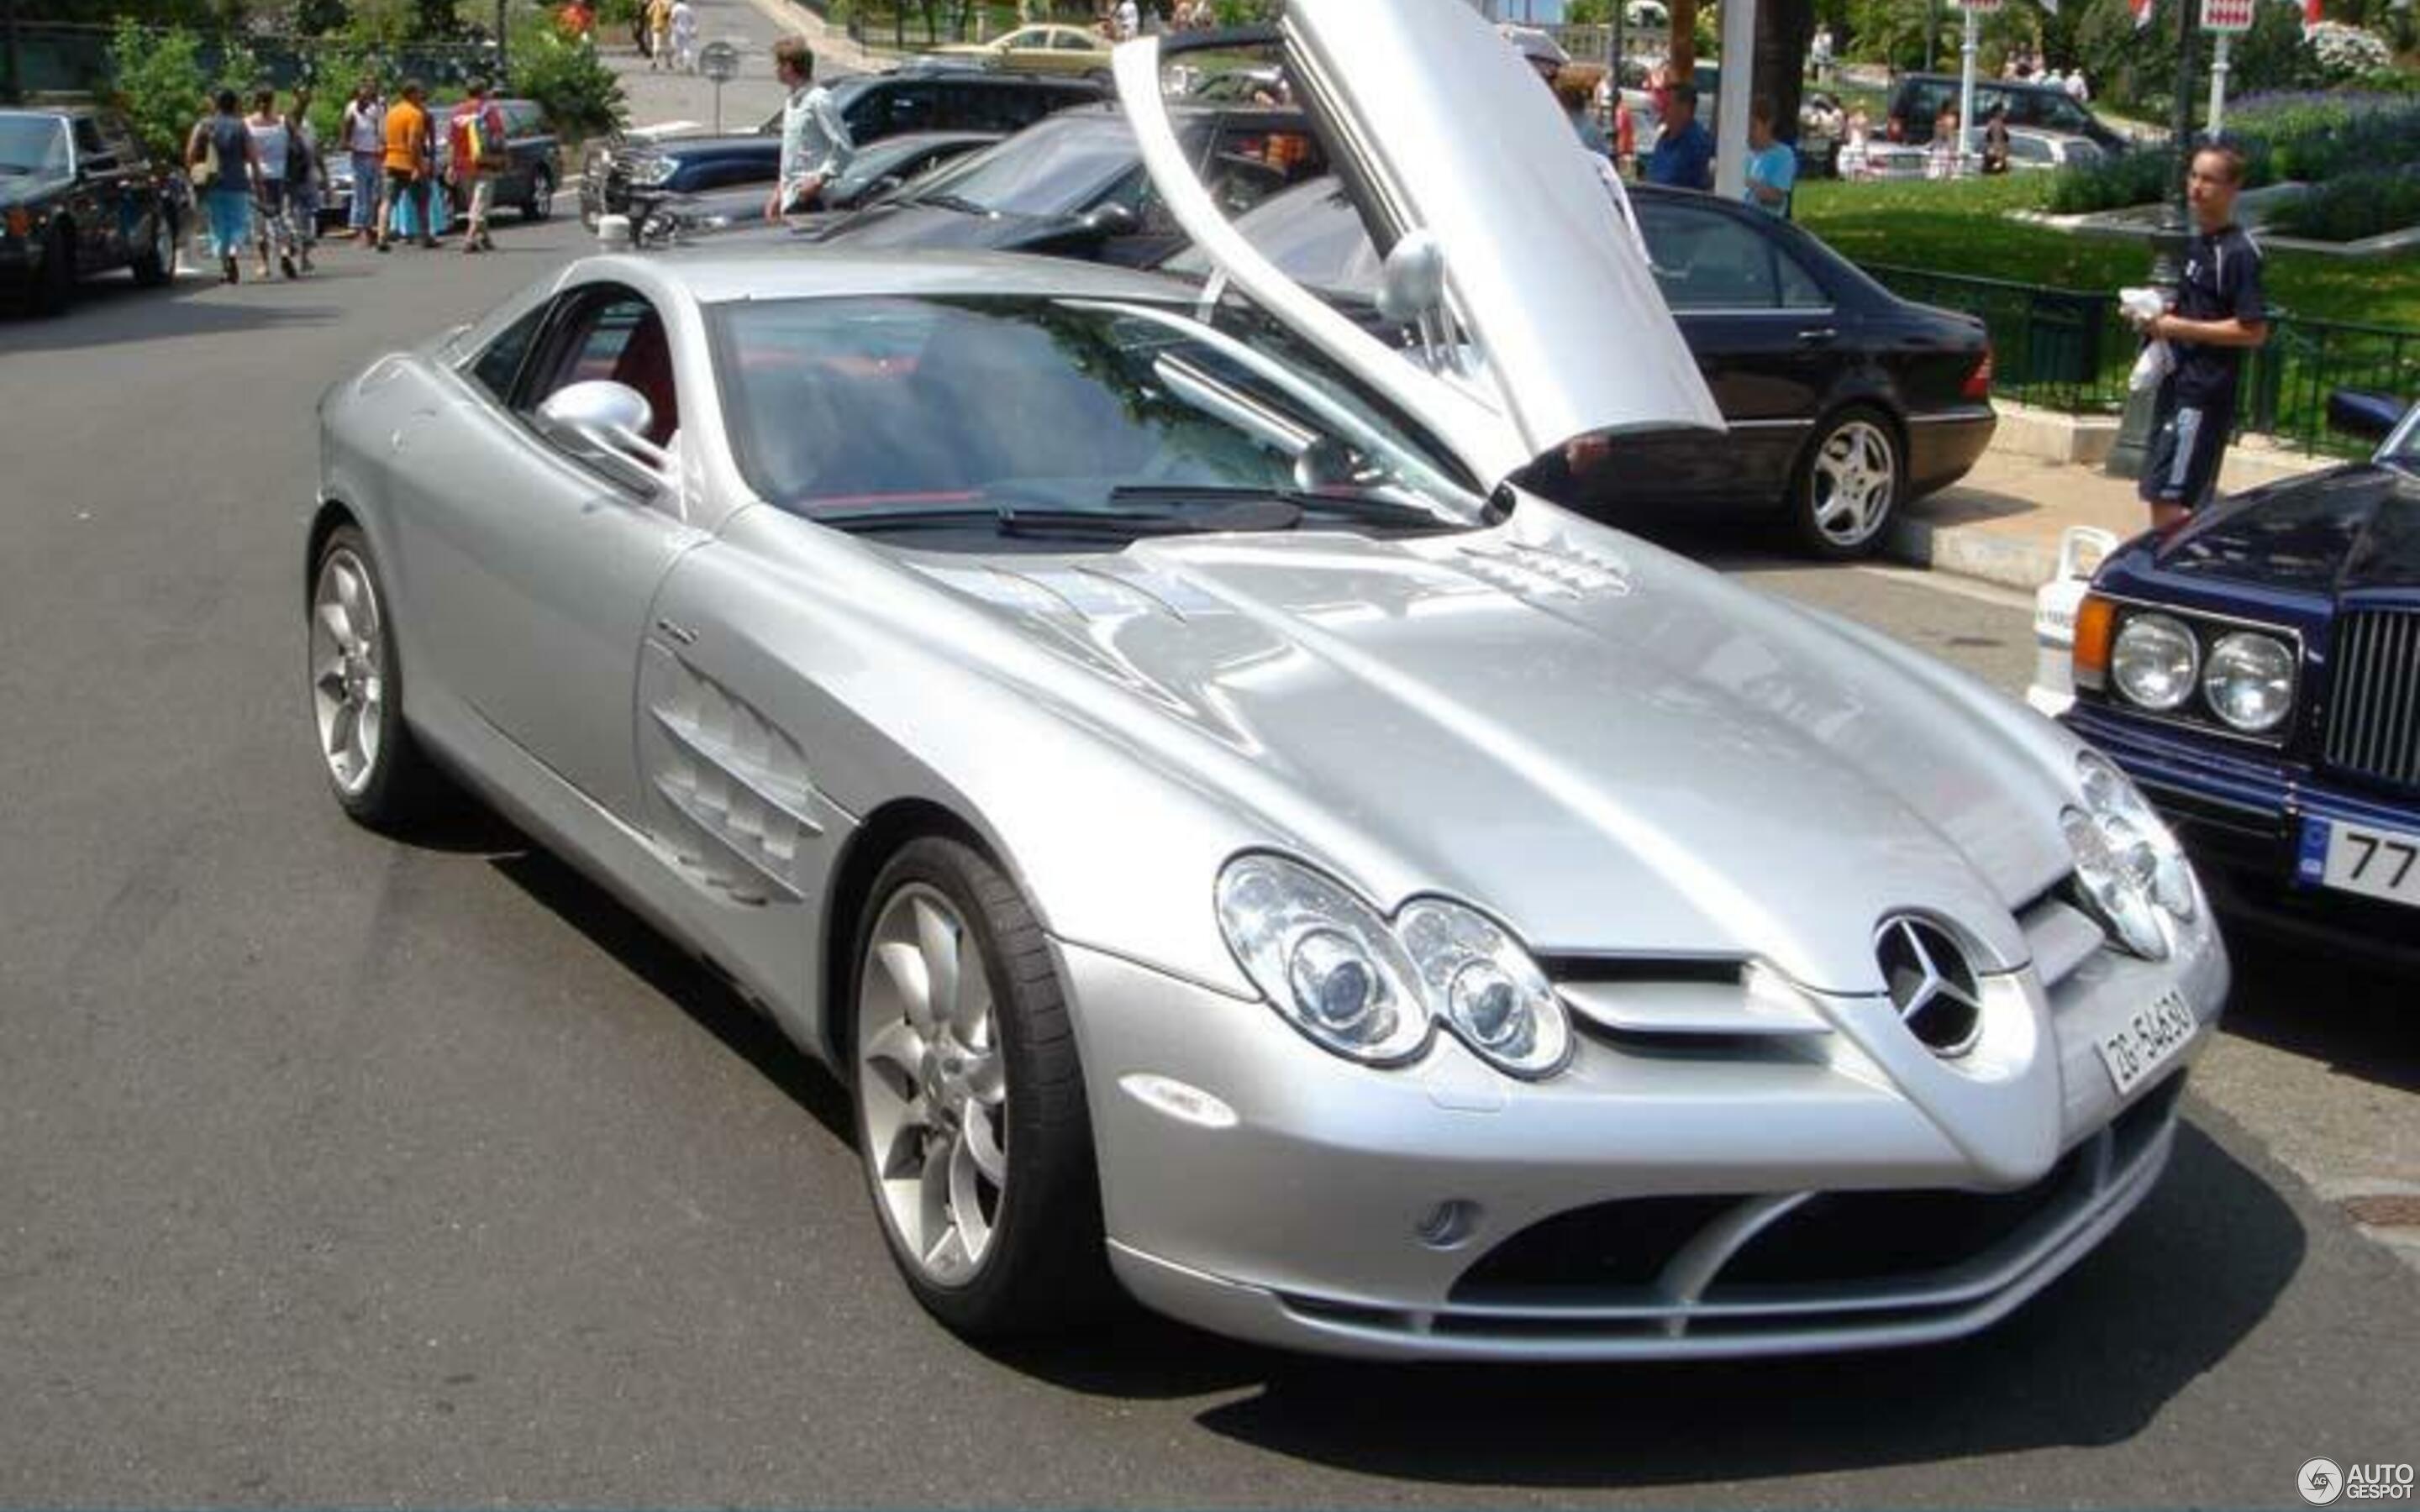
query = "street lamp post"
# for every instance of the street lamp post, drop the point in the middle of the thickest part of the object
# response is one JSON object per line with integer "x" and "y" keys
{"x": 2126, "y": 455}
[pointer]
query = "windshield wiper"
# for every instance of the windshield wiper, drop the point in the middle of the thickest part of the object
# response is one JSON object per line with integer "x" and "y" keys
{"x": 1242, "y": 511}
{"x": 1385, "y": 512}
{"x": 952, "y": 202}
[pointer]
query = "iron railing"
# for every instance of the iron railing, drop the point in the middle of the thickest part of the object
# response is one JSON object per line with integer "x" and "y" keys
{"x": 2069, "y": 349}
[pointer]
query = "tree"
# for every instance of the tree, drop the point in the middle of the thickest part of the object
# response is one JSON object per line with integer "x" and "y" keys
{"x": 1783, "y": 30}
{"x": 1685, "y": 41}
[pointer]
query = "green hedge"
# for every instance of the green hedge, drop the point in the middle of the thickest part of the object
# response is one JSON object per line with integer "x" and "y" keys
{"x": 2311, "y": 138}
{"x": 2351, "y": 207}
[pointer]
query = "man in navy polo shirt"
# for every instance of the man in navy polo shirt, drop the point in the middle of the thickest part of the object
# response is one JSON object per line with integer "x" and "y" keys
{"x": 1684, "y": 154}
{"x": 2218, "y": 314}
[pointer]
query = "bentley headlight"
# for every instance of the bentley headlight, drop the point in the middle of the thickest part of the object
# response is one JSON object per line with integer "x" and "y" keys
{"x": 2155, "y": 661}
{"x": 653, "y": 171}
{"x": 2250, "y": 681}
{"x": 1325, "y": 958}
{"x": 1492, "y": 995}
{"x": 2128, "y": 865}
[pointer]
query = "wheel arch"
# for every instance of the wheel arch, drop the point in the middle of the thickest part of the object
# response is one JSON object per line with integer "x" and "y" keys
{"x": 331, "y": 515}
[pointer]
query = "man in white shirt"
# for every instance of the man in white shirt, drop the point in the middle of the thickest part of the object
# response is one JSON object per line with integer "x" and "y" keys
{"x": 364, "y": 133}
{"x": 1129, "y": 20}
{"x": 684, "y": 37}
{"x": 816, "y": 146}
{"x": 2077, "y": 89}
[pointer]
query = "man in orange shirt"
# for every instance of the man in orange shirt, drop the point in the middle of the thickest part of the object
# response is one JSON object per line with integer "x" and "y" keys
{"x": 408, "y": 162}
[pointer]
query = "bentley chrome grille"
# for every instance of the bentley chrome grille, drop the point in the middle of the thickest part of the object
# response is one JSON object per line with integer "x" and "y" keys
{"x": 2374, "y": 715}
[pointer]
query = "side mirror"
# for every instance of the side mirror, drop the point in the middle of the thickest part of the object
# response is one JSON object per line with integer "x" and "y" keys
{"x": 1112, "y": 220}
{"x": 609, "y": 421}
{"x": 1411, "y": 287}
{"x": 2370, "y": 416}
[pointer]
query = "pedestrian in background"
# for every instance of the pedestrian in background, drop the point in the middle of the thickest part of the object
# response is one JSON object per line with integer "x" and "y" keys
{"x": 363, "y": 130}
{"x": 222, "y": 164}
{"x": 1684, "y": 153}
{"x": 660, "y": 34}
{"x": 407, "y": 151}
{"x": 476, "y": 131}
{"x": 1819, "y": 52}
{"x": 815, "y": 143}
{"x": 1576, "y": 90}
{"x": 1940, "y": 155}
{"x": 306, "y": 177}
{"x": 684, "y": 37}
{"x": 2220, "y": 312}
{"x": 1771, "y": 164}
{"x": 271, "y": 152}
{"x": 1995, "y": 141}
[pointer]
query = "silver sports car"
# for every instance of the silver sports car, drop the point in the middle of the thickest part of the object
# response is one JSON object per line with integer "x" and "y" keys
{"x": 1234, "y": 845}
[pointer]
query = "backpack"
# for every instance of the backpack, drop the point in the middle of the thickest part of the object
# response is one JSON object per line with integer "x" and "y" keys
{"x": 479, "y": 140}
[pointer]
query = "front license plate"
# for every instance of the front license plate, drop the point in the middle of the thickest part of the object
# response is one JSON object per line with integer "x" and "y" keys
{"x": 2149, "y": 1041}
{"x": 2375, "y": 863}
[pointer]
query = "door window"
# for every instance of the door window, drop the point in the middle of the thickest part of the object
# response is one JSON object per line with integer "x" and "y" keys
{"x": 614, "y": 336}
{"x": 502, "y": 361}
{"x": 1707, "y": 261}
{"x": 1071, "y": 42}
{"x": 88, "y": 138}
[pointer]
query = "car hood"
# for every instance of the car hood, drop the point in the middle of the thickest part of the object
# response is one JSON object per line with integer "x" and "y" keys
{"x": 28, "y": 190}
{"x": 1613, "y": 750}
{"x": 2348, "y": 528}
{"x": 908, "y": 224}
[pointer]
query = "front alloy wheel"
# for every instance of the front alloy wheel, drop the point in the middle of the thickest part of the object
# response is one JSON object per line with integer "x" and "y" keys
{"x": 377, "y": 772}
{"x": 1848, "y": 486}
{"x": 970, "y": 1112}
{"x": 541, "y": 200}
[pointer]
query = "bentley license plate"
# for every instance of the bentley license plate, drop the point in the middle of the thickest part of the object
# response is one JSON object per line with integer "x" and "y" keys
{"x": 2375, "y": 863}
{"x": 2148, "y": 1039}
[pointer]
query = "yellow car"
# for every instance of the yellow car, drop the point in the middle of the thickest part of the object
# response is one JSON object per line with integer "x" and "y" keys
{"x": 1039, "y": 50}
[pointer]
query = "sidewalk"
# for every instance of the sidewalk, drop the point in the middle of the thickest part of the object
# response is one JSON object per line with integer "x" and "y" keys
{"x": 2002, "y": 522}
{"x": 660, "y": 97}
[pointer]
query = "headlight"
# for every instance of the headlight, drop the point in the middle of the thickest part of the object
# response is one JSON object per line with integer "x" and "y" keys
{"x": 2129, "y": 866}
{"x": 2250, "y": 681}
{"x": 1369, "y": 991}
{"x": 654, "y": 171}
{"x": 1325, "y": 958}
{"x": 2155, "y": 661}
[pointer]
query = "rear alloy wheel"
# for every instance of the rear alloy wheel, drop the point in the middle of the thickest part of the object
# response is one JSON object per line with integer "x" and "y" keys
{"x": 379, "y": 774}
{"x": 971, "y": 1116}
{"x": 1847, "y": 485}
{"x": 541, "y": 201}
{"x": 156, "y": 264}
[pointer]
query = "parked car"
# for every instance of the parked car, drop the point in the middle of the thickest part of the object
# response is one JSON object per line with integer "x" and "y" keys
{"x": 2036, "y": 151}
{"x": 1843, "y": 400}
{"x": 877, "y": 172}
{"x": 533, "y": 167}
{"x": 1917, "y": 101}
{"x": 1227, "y": 836}
{"x": 1075, "y": 185}
{"x": 79, "y": 196}
{"x": 1045, "y": 49}
{"x": 2257, "y": 672}
{"x": 628, "y": 178}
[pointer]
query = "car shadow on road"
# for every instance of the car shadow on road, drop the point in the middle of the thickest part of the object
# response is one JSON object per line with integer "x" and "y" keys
{"x": 2356, "y": 1022}
{"x": 110, "y": 310}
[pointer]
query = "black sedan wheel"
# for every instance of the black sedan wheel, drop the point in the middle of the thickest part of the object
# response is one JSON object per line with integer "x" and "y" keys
{"x": 156, "y": 263}
{"x": 1848, "y": 485}
{"x": 540, "y": 203}
{"x": 970, "y": 1117}
{"x": 56, "y": 291}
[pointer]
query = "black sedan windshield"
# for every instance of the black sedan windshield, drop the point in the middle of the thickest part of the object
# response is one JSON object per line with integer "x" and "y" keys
{"x": 852, "y": 411}
{"x": 33, "y": 143}
{"x": 1055, "y": 167}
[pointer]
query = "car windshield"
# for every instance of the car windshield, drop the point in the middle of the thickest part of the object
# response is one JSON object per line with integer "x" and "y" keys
{"x": 33, "y": 145}
{"x": 1311, "y": 233}
{"x": 1055, "y": 167}
{"x": 855, "y": 411}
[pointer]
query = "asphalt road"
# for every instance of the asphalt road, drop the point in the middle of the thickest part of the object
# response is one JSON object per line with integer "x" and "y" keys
{"x": 337, "y": 1171}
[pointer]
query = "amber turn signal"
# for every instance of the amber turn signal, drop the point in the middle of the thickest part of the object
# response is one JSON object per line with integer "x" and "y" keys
{"x": 2095, "y": 618}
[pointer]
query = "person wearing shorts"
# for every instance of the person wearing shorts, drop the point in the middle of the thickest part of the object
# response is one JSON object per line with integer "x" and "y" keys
{"x": 404, "y": 162}
{"x": 2220, "y": 312}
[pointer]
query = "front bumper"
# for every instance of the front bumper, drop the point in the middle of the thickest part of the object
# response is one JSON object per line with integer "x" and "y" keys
{"x": 1660, "y": 1198}
{"x": 2241, "y": 813}
{"x": 21, "y": 260}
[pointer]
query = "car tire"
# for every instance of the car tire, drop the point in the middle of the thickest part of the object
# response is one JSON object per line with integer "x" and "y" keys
{"x": 58, "y": 289}
{"x": 377, "y": 770}
{"x": 540, "y": 203}
{"x": 971, "y": 1124}
{"x": 156, "y": 264}
{"x": 1848, "y": 484}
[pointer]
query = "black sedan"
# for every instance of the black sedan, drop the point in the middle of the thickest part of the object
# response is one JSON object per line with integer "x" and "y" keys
{"x": 1844, "y": 401}
{"x": 2257, "y": 672}
{"x": 79, "y": 196}
{"x": 628, "y": 177}
{"x": 875, "y": 171}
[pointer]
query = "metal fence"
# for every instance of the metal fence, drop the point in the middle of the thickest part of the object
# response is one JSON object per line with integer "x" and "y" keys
{"x": 2069, "y": 349}
{"x": 68, "y": 58}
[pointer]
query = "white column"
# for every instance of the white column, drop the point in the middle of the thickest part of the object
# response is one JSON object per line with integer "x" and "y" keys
{"x": 1965, "y": 88}
{"x": 2218, "y": 65}
{"x": 1739, "y": 84}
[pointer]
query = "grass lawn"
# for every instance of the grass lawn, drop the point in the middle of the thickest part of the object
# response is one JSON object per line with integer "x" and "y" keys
{"x": 1962, "y": 228}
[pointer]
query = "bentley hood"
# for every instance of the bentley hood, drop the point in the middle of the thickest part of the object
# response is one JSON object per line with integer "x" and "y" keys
{"x": 1615, "y": 751}
{"x": 2353, "y": 527}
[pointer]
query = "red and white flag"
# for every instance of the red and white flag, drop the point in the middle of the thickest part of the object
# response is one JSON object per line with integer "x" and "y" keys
{"x": 2142, "y": 10}
{"x": 2311, "y": 13}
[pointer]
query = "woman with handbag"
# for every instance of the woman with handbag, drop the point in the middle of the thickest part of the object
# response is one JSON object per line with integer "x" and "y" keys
{"x": 223, "y": 163}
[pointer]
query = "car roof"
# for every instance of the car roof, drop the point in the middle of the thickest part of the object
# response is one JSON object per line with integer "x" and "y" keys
{"x": 725, "y": 276}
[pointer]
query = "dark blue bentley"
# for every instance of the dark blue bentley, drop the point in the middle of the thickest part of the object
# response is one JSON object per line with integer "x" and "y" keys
{"x": 2257, "y": 672}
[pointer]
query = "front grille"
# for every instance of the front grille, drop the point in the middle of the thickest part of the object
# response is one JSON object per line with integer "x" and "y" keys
{"x": 2374, "y": 708}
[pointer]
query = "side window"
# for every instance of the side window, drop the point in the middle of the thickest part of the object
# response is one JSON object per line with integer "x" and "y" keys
{"x": 1799, "y": 290}
{"x": 1071, "y": 42}
{"x": 1705, "y": 260}
{"x": 87, "y": 137}
{"x": 615, "y": 336}
{"x": 502, "y": 361}
{"x": 906, "y": 108}
{"x": 116, "y": 138}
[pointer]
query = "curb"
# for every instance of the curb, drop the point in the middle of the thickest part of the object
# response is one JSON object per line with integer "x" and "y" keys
{"x": 1968, "y": 551}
